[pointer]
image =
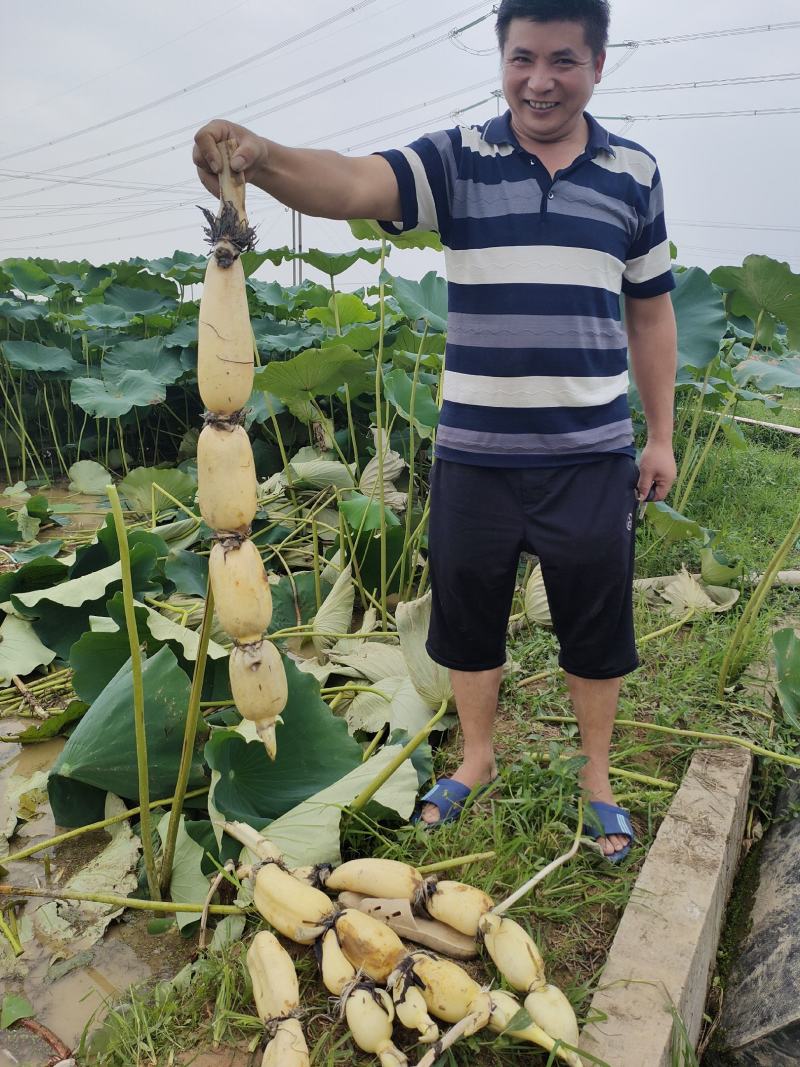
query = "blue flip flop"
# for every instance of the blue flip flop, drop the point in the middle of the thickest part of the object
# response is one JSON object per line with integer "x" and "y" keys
{"x": 611, "y": 820}
{"x": 449, "y": 797}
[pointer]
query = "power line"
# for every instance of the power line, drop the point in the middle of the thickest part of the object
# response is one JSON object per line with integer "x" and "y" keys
{"x": 194, "y": 86}
{"x": 708, "y": 83}
{"x": 314, "y": 80}
{"x": 769, "y": 27}
{"x": 750, "y": 113}
{"x": 136, "y": 59}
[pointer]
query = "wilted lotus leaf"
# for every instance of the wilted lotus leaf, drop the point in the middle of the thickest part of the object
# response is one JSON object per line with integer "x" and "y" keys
{"x": 393, "y": 467}
{"x": 336, "y": 613}
{"x": 373, "y": 660}
{"x": 683, "y": 592}
{"x": 431, "y": 680}
{"x": 536, "y": 606}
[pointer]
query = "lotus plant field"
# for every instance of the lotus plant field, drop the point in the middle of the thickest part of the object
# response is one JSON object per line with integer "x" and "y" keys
{"x": 226, "y": 624}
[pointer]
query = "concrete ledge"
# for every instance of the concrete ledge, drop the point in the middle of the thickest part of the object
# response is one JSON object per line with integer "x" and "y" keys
{"x": 666, "y": 944}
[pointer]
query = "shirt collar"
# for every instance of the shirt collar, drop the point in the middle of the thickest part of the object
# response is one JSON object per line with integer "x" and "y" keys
{"x": 498, "y": 131}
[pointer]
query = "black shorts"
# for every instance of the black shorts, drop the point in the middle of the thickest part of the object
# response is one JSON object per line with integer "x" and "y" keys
{"x": 579, "y": 520}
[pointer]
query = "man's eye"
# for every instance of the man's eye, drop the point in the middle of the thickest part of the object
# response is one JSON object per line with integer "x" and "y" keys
{"x": 566, "y": 63}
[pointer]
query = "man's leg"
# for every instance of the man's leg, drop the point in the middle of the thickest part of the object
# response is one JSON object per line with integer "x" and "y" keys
{"x": 476, "y": 701}
{"x": 595, "y": 703}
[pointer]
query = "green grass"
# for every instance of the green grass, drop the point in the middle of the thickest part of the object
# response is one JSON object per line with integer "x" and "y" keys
{"x": 751, "y": 497}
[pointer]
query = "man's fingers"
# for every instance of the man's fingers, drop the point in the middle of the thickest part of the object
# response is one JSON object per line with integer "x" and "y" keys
{"x": 210, "y": 182}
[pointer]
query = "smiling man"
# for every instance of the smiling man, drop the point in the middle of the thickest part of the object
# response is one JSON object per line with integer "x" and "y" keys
{"x": 547, "y": 219}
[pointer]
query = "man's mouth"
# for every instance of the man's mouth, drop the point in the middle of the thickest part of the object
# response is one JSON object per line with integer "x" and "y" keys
{"x": 538, "y": 105}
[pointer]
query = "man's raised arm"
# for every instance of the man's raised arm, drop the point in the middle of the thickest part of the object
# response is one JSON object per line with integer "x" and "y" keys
{"x": 314, "y": 181}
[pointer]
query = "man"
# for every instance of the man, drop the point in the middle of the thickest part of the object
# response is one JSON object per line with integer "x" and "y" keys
{"x": 546, "y": 218}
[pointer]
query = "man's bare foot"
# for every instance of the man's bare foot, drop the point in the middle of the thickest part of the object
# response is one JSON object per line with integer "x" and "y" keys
{"x": 471, "y": 775}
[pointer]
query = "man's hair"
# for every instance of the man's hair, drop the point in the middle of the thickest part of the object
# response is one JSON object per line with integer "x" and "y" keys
{"x": 594, "y": 16}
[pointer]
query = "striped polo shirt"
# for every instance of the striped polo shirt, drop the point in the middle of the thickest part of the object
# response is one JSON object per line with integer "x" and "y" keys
{"x": 536, "y": 367}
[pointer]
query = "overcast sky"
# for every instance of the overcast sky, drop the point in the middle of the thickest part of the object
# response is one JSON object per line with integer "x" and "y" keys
{"x": 730, "y": 183}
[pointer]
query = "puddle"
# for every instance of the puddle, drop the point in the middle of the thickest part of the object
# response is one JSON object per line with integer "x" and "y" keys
{"x": 127, "y": 954}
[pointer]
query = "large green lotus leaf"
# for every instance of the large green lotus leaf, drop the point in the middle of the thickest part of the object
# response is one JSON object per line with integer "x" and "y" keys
{"x": 116, "y": 395}
{"x": 95, "y": 658}
{"x": 139, "y": 301}
{"x": 101, "y": 753}
{"x": 337, "y": 262}
{"x": 701, "y": 318}
{"x": 96, "y": 279}
{"x": 137, "y": 489}
{"x": 411, "y": 342}
{"x": 769, "y": 376}
{"x": 183, "y": 336}
{"x": 282, "y": 337}
{"x": 787, "y": 664}
{"x": 21, "y": 651}
{"x": 294, "y": 600}
{"x": 41, "y": 572}
{"x": 251, "y": 261}
{"x": 72, "y": 593}
{"x": 367, "y": 230}
{"x": 29, "y": 278}
{"x": 187, "y": 268}
{"x": 307, "y": 294}
{"x": 22, "y": 310}
{"x": 87, "y": 476}
{"x": 314, "y": 750}
{"x": 271, "y": 294}
{"x": 361, "y": 337}
{"x": 398, "y": 387}
{"x": 147, "y": 355}
{"x": 314, "y": 373}
{"x": 350, "y": 310}
{"x": 673, "y": 526}
{"x": 105, "y": 315}
{"x": 188, "y": 571}
{"x": 60, "y": 618}
{"x": 426, "y": 299}
{"x": 763, "y": 286}
{"x": 309, "y": 833}
{"x": 44, "y": 359}
{"x": 364, "y": 514}
{"x": 368, "y": 554}
{"x": 43, "y": 548}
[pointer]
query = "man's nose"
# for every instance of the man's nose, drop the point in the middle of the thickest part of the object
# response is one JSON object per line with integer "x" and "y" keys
{"x": 540, "y": 80}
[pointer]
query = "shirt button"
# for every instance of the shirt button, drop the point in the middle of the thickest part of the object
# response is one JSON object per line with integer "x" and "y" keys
{"x": 551, "y": 196}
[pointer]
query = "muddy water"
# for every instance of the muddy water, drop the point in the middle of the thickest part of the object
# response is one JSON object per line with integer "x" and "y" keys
{"x": 127, "y": 954}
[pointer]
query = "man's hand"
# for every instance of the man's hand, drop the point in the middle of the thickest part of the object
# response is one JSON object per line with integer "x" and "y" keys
{"x": 250, "y": 156}
{"x": 656, "y": 468}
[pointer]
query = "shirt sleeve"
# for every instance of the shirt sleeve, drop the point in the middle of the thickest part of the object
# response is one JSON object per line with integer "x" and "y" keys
{"x": 426, "y": 172}
{"x": 648, "y": 268}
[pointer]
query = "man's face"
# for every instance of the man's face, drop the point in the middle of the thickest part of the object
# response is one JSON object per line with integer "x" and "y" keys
{"x": 549, "y": 75}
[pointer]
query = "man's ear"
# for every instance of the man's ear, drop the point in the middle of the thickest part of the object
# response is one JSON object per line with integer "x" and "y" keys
{"x": 599, "y": 63}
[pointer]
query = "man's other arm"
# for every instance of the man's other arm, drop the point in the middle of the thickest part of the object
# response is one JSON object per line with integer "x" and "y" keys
{"x": 653, "y": 348}
{"x": 313, "y": 181}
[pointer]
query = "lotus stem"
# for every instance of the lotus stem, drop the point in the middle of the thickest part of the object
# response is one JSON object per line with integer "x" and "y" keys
{"x": 459, "y": 861}
{"x": 379, "y": 423}
{"x": 164, "y": 907}
{"x": 367, "y": 794}
{"x": 687, "y": 455}
{"x": 618, "y": 772}
{"x": 722, "y": 739}
{"x": 455, "y": 1033}
{"x": 70, "y": 834}
{"x": 8, "y": 933}
{"x": 742, "y": 632}
{"x": 523, "y": 890}
{"x": 138, "y": 692}
{"x": 189, "y": 736}
{"x": 542, "y": 675}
